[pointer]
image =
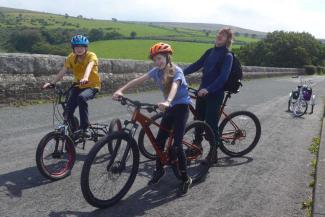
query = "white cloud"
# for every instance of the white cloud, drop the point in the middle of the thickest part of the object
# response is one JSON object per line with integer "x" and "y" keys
{"x": 290, "y": 15}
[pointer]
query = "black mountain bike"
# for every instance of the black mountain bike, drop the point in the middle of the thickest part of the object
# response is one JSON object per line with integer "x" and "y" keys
{"x": 56, "y": 154}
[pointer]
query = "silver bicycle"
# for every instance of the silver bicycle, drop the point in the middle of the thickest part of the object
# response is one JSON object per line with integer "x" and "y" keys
{"x": 301, "y": 97}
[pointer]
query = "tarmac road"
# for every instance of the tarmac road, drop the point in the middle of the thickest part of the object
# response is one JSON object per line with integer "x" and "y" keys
{"x": 272, "y": 180}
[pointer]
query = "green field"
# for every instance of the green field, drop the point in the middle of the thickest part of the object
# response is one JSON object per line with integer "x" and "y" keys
{"x": 139, "y": 49}
{"x": 189, "y": 44}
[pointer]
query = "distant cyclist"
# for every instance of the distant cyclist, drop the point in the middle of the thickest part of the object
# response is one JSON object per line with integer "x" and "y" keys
{"x": 216, "y": 63}
{"x": 84, "y": 66}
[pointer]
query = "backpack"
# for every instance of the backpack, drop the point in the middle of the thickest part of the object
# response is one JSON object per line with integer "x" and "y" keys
{"x": 236, "y": 74}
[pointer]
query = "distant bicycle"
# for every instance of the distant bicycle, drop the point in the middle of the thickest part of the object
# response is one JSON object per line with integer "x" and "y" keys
{"x": 56, "y": 154}
{"x": 300, "y": 98}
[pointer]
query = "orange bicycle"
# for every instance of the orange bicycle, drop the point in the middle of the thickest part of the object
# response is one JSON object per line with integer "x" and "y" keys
{"x": 239, "y": 131}
{"x": 112, "y": 164}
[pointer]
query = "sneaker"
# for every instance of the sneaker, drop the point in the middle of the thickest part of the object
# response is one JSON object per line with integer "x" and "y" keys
{"x": 157, "y": 175}
{"x": 183, "y": 188}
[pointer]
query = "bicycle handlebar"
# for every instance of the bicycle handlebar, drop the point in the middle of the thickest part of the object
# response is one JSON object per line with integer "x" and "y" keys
{"x": 192, "y": 90}
{"x": 60, "y": 90}
{"x": 149, "y": 107}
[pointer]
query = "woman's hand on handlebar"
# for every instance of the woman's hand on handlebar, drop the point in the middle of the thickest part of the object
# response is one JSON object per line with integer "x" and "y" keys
{"x": 163, "y": 106}
{"x": 203, "y": 92}
{"x": 47, "y": 85}
{"x": 117, "y": 95}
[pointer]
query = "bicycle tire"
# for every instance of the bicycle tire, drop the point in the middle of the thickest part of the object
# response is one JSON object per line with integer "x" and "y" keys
{"x": 257, "y": 136}
{"x": 71, "y": 152}
{"x": 302, "y": 113}
{"x": 84, "y": 181}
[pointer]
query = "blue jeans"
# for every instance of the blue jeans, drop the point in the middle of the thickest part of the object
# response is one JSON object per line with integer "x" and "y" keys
{"x": 79, "y": 97}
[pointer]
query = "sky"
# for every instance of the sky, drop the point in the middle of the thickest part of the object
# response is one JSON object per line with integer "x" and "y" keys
{"x": 260, "y": 15}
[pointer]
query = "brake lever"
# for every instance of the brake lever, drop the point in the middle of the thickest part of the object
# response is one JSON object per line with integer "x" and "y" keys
{"x": 152, "y": 109}
{"x": 122, "y": 100}
{"x": 51, "y": 86}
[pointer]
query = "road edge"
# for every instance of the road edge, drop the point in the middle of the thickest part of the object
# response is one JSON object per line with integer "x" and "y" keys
{"x": 319, "y": 189}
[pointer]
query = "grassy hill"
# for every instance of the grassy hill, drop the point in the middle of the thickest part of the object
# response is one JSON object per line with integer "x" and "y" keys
{"x": 180, "y": 35}
{"x": 210, "y": 27}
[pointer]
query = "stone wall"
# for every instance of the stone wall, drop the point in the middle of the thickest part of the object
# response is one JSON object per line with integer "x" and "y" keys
{"x": 22, "y": 75}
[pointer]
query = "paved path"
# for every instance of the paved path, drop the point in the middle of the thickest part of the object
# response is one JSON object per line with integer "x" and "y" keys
{"x": 270, "y": 181}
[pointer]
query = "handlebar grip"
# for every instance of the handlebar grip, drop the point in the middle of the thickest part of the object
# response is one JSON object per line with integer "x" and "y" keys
{"x": 152, "y": 109}
{"x": 51, "y": 86}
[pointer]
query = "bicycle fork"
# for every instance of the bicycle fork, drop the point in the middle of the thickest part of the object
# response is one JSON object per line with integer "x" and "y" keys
{"x": 120, "y": 165}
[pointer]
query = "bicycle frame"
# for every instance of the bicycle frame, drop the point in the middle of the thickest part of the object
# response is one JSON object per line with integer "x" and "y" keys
{"x": 221, "y": 112}
{"x": 145, "y": 122}
{"x": 65, "y": 127}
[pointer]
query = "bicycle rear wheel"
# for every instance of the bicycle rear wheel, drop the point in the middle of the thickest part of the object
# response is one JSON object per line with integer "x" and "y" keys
{"x": 240, "y": 133}
{"x": 115, "y": 125}
{"x": 198, "y": 152}
{"x": 55, "y": 156}
{"x": 107, "y": 177}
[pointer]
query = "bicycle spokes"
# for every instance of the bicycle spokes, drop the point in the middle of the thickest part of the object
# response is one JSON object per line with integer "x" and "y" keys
{"x": 198, "y": 148}
{"x": 110, "y": 169}
{"x": 56, "y": 157}
{"x": 238, "y": 133}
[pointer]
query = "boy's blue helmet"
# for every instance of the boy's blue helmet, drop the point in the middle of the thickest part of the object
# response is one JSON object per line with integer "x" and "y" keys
{"x": 79, "y": 40}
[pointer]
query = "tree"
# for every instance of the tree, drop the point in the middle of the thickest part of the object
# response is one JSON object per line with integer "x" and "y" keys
{"x": 96, "y": 34}
{"x": 45, "y": 48}
{"x": 283, "y": 49}
{"x": 112, "y": 35}
{"x": 24, "y": 40}
{"x": 79, "y": 17}
{"x": 133, "y": 34}
{"x": 114, "y": 19}
{"x": 66, "y": 16}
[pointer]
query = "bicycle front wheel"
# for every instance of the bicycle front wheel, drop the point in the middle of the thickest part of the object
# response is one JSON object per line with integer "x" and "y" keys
{"x": 300, "y": 108}
{"x": 55, "y": 156}
{"x": 107, "y": 177}
{"x": 240, "y": 133}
